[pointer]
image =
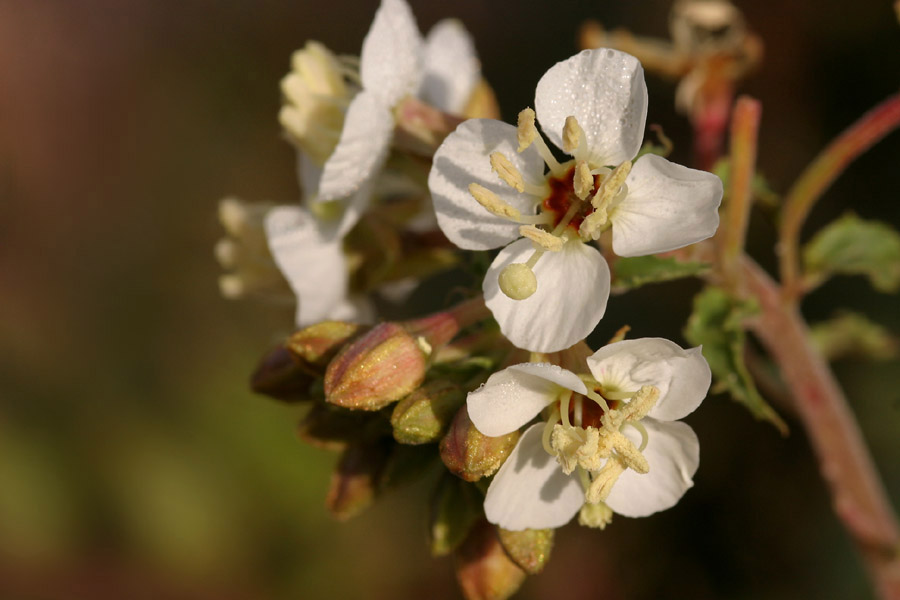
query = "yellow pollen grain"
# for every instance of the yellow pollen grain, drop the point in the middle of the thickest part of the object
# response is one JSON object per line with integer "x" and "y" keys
{"x": 492, "y": 203}
{"x": 542, "y": 238}
{"x": 507, "y": 172}
{"x": 526, "y": 131}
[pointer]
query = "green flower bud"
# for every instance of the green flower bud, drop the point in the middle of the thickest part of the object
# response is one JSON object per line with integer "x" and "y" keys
{"x": 355, "y": 481}
{"x": 470, "y": 454}
{"x": 279, "y": 376}
{"x": 483, "y": 569}
{"x": 530, "y": 549}
{"x": 455, "y": 506}
{"x": 316, "y": 345}
{"x": 425, "y": 414}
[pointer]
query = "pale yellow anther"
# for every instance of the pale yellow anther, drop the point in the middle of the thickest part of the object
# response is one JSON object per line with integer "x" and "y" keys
{"x": 583, "y": 182}
{"x": 573, "y": 135}
{"x": 576, "y": 447}
{"x": 641, "y": 404}
{"x": 610, "y": 187}
{"x": 628, "y": 453}
{"x": 597, "y": 515}
{"x": 492, "y": 203}
{"x": 593, "y": 225}
{"x": 507, "y": 172}
{"x": 544, "y": 239}
{"x": 526, "y": 131}
{"x": 517, "y": 281}
{"x": 604, "y": 480}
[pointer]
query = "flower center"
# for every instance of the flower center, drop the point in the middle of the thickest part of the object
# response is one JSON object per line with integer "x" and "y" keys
{"x": 574, "y": 198}
{"x": 584, "y": 433}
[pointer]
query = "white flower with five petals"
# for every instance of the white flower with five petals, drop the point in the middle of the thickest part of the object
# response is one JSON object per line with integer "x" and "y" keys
{"x": 611, "y": 441}
{"x": 492, "y": 183}
{"x": 395, "y": 62}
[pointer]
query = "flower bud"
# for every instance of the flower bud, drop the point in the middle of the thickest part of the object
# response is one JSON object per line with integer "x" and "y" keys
{"x": 470, "y": 454}
{"x": 530, "y": 548}
{"x": 316, "y": 345}
{"x": 331, "y": 427}
{"x": 279, "y": 376}
{"x": 382, "y": 366}
{"x": 483, "y": 569}
{"x": 455, "y": 506}
{"x": 425, "y": 414}
{"x": 354, "y": 482}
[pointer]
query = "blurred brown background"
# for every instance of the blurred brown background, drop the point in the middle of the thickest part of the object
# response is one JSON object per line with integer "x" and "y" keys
{"x": 134, "y": 463}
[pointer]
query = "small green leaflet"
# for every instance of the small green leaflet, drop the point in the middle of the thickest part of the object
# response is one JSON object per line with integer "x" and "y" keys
{"x": 640, "y": 270}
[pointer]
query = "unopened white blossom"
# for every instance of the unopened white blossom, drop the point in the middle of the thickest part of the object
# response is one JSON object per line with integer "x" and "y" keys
{"x": 493, "y": 183}
{"x": 610, "y": 441}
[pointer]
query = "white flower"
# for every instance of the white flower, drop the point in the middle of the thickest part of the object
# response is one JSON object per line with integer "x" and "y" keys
{"x": 611, "y": 441}
{"x": 395, "y": 63}
{"x": 490, "y": 187}
{"x": 311, "y": 258}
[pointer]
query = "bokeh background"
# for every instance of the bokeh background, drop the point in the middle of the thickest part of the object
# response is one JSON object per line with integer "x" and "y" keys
{"x": 135, "y": 463}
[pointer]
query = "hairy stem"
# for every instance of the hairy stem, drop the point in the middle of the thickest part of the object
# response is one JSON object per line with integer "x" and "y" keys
{"x": 857, "y": 493}
{"x": 819, "y": 175}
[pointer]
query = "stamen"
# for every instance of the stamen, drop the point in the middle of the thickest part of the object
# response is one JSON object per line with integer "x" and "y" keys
{"x": 604, "y": 480}
{"x": 579, "y": 411}
{"x": 613, "y": 395}
{"x": 627, "y": 452}
{"x": 548, "y": 431}
{"x": 598, "y": 399}
{"x": 574, "y": 139}
{"x": 493, "y": 204}
{"x": 645, "y": 438}
{"x": 507, "y": 172}
{"x": 527, "y": 135}
{"x": 545, "y": 240}
{"x": 583, "y": 182}
{"x": 564, "y": 407}
{"x": 641, "y": 404}
{"x": 593, "y": 225}
{"x": 567, "y": 218}
{"x": 610, "y": 187}
{"x": 517, "y": 281}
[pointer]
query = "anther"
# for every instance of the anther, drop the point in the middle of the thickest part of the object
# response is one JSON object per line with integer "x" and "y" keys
{"x": 641, "y": 404}
{"x": 542, "y": 238}
{"x": 604, "y": 480}
{"x": 583, "y": 182}
{"x": 526, "y": 132}
{"x": 597, "y": 515}
{"x": 517, "y": 281}
{"x": 573, "y": 136}
{"x": 610, "y": 187}
{"x": 492, "y": 203}
{"x": 593, "y": 225}
{"x": 507, "y": 172}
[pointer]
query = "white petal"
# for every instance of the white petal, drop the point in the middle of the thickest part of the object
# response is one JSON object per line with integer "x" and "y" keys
{"x": 673, "y": 452}
{"x": 362, "y": 149}
{"x": 309, "y": 175}
{"x": 668, "y": 206}
{"x": 391, "y": 58}
{"x": 605, "y": 91}
{"x": 313, "y": 265}
{"x": 682, "y": 376}
{"x": 572, "y": 290}
{"x": 464, "y": 158}
{"x": 530, "y": 491}
{"x": 451, "y": 67}
{"x": 512, "y": 397}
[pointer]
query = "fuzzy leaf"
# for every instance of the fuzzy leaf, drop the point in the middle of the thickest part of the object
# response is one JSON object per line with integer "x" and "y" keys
{"x": 853, "y": 246}
{"x": 852, "y": 334}
{"x": 716, "y": 324}
{"x": 455, "y": 506}
{"x": 637, "y": 271}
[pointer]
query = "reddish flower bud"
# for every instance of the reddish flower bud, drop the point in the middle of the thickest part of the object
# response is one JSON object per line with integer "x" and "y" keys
{"x": 483, "y": 569}
{"x": 279, "y": 376}
{"x": 469, "y": 453}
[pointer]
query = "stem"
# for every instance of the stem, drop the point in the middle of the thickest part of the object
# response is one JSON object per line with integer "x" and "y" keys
{"x": 440, "y": 328}
{"x": 857, "y": 493}
{"x": 819, "y": 175}
{"x": 744, "y": 130}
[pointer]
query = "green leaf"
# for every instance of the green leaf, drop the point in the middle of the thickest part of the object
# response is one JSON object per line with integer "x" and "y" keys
{"x": 852, "y": 334}
{"x": 759, "y": 185}
{"x": 717, "y": 325}
{"x": 455, "y": 506}
{"x": 853, "y": 246}
{"x": 640, "y": 270}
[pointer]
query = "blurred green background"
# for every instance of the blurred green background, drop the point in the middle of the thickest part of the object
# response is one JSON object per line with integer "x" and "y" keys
{"x": 134, "y": 462}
